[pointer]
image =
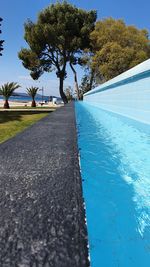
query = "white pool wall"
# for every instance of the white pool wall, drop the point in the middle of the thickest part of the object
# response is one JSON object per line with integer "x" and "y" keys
{"x": 127, "y": 94}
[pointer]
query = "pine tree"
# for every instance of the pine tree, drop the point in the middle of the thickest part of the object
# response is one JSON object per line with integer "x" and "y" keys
{"x": 1, "y": 41}
{"x": 58, "y": 37}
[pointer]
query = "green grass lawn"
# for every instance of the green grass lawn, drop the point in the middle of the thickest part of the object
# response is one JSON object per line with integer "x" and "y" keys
{"x": 13, "y": 122}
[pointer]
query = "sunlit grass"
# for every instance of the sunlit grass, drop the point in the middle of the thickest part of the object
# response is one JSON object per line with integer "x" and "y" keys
{"x": 27, "y": 107}
{"x": 13, "y": 122}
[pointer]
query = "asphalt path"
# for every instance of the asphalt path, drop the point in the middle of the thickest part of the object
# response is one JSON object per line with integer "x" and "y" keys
{"x": 42, "y": 220}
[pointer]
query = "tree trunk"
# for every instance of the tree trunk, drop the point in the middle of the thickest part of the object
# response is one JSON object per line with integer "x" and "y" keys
{"x": 6, "y": 104}
{"x": 62, "y": 94}
{"x": 33, "y": 104}
{"x": 91, "y": 79}
{"x": 76, "y": 81}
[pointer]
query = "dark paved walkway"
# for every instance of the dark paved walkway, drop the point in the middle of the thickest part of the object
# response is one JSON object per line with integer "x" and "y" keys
{"x": 41, "y": 210}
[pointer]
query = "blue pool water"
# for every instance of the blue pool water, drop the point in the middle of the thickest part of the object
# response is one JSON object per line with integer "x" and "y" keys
{"x": 115, "y": 169}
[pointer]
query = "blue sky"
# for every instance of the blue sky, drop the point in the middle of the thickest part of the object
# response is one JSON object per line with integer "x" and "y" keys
{"x": 16, "y": 12}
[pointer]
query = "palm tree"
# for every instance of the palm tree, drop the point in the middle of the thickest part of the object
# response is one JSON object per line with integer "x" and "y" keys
{"x": 7, "y": 90}
{"x": 32, "y": 91}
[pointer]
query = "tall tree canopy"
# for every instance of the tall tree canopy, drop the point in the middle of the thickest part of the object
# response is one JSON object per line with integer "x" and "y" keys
{"x": 1, "y": 41}
{"x": 59, "y": 35}
{"x": 118, "y": 47}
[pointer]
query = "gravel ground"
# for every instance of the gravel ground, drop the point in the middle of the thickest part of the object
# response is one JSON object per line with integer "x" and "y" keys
{"x": 41, "y": 207}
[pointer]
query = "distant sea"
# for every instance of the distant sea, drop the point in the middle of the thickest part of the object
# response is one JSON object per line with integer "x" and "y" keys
{"x": 26, "y": 98}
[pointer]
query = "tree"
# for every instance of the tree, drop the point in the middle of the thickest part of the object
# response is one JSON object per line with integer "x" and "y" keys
{"x": 92, "y": 77}
{"x": 1, "y": 41}
{"x": 118, "y": 47}
{"x": 75, "y": 81}
{"x": 32, "y": 91}
{"x": 61, "y": 32}
{"x": 69, "y": 93}
{"x": 7, "y": 90}
{"x": 89, "y": 20}
{"x": 88, "y": 83}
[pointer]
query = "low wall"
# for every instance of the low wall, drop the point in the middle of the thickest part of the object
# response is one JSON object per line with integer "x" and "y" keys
{"x": 127, "y": 94}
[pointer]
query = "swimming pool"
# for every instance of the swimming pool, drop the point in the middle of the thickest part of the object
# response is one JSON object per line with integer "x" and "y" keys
{"x": 115, "y": 169}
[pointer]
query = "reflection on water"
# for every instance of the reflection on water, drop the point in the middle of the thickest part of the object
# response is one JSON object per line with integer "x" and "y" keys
{"x": 115, "y": 166}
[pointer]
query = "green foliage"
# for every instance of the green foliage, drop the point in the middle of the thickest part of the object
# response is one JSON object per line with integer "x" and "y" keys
{"x": 61, "y": 32}
{"x": 8, "y": 89}
{"x": 69, "y": 93}
{"x": 88, "y": 83}
{"x": 118, "y": 47}
{"x": 84, "y": 86}
{"x": 92, "y": 76}
{"x": 1, "y": 41}
{"x": 32, "y": 91}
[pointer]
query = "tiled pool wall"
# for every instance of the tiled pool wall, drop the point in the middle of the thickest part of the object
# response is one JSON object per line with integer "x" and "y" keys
{"x": 115, "y": 170}
{"x": 127, "y": 94}
{"x": 113, "y": 125}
